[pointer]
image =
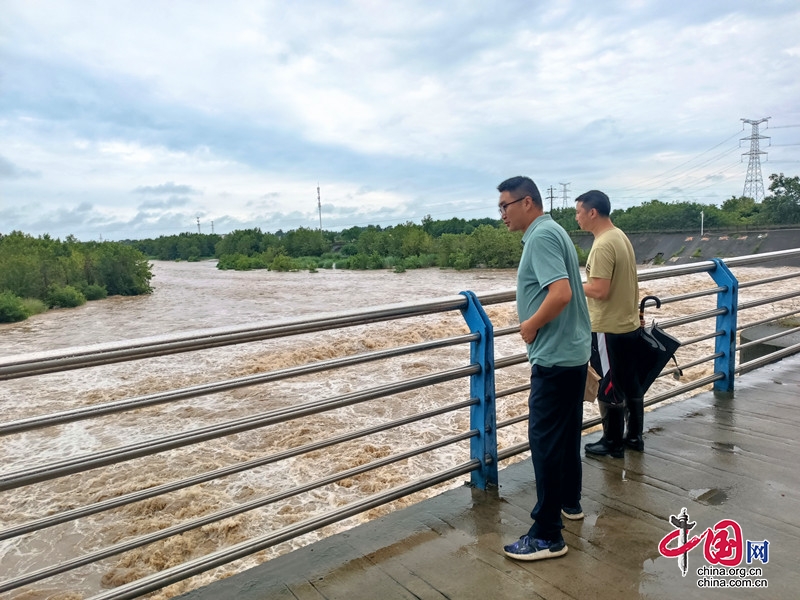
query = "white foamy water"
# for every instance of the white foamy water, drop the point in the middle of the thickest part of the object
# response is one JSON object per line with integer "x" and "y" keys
{"x": 191, "y": 296}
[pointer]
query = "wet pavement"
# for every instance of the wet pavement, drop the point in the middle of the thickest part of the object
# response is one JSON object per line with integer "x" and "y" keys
{"x": 722, "y": 459}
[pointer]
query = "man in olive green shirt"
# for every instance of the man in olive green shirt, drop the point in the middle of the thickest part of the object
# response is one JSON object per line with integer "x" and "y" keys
{"x": 612, "y": 294}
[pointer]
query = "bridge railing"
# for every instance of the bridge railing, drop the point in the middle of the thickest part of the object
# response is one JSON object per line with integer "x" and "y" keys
{"x": 462, "y": 413}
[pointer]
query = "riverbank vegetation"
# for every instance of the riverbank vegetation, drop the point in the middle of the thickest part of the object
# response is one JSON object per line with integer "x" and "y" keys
{"x": 41, "y": 273}
{"x": 457, "y": 243}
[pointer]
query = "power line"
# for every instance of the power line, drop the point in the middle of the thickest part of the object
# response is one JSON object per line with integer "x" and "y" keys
{"x": 658, "y": 176}
{"x": 683, "y": 174}
{"x": 687, "y": 191}
{"x": 683, "y": 184}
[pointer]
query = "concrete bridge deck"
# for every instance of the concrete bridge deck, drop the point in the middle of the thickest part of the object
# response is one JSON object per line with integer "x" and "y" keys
{"x": 720, "y": 458}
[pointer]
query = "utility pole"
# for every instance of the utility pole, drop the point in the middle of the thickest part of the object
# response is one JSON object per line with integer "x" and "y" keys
{"x": 753, "y": 183}
{"x": 564, "y": 192}
{"x": 198, "y": 224}
{"x": 212, "y": 227}
{"x": 319, "y": 207}
{"x": 550, "y": 189}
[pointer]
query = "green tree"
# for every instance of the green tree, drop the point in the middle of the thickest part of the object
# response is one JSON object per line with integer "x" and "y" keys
{"x": 373, "y": 240}
{"x": 740, "y": 211}
{"x": 410, "y": 240}
{"x": 11, "y": 308}
{"x": 19, "y": 266}
{"x": 453, "y": 248}
{"x": 783, "y": 206}
{"x": 123, "y": 271}
{"x": 495, "y": 248}
{"x": 64, "y": 296}
{"x": 565, "y": 217}
{"x": 351, "y": 234}
{"x": 246, "y": 242}
{"x": 305, "y": 242}
{"x": 60, "y": 273}
{"x": 188, "y": 248}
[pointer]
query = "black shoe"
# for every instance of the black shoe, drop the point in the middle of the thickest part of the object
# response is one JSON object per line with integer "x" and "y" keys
{"x": 636, "y": 443}
{"x": 634, "y": 418}
{"x": 604, "y": 448}
{"x": 613, "y": 418}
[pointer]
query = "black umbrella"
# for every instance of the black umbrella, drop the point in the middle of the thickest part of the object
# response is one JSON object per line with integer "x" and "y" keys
{"x": 654, "y": 349}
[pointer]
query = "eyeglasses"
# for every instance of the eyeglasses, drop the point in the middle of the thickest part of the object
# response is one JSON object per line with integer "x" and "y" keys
{"x": 504, "y": 207}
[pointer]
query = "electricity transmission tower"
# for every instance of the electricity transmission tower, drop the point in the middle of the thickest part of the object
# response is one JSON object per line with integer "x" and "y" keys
{"x": 564, "y": 192}
{"x": 753, "y": 183}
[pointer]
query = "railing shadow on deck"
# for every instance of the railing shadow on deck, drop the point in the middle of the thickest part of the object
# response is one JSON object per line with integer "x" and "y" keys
{"x": 431, "y": 429}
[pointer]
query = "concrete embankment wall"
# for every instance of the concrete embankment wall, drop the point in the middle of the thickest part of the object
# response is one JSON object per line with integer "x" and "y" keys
{"x": 682, "y": 248}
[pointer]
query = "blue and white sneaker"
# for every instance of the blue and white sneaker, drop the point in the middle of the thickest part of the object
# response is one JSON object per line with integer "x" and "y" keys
{"x": 528, "y": 548}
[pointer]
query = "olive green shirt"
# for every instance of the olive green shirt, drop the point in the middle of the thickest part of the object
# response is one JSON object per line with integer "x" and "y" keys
{"x": 612, "y": 257}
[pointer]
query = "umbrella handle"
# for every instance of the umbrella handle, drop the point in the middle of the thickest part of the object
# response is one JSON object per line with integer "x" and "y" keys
{"x": 656, "y": 300}
{"x": 646, "y": 299}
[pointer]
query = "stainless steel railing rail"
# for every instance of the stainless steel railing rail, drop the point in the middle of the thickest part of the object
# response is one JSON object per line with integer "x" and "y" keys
{"x": 94, "y": 460}
{"x": 101, "y": 354}
{"x": 222, "y": 557}
{"x": 222, "y": 386}
{"x": 173, "y": 486}
{"x": 705, "y": 331}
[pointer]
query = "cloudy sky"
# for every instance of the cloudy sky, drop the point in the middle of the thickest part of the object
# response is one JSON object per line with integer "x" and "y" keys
{"x": 138, "y": 119}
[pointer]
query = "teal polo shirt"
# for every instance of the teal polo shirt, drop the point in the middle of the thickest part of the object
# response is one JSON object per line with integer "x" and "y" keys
{"x": 548, "y": 255}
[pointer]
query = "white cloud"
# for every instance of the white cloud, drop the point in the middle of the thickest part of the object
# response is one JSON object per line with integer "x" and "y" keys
{"x": 396, "y": 109}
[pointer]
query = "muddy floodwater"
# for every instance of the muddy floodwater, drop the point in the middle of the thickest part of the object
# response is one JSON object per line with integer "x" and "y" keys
{"x": 193, "y": 296}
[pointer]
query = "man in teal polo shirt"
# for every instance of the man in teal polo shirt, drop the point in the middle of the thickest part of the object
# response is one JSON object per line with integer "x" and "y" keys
{"x": 554, "y": 323}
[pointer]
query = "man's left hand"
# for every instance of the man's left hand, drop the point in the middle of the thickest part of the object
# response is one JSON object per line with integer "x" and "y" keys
{"x": 528, "y": 331}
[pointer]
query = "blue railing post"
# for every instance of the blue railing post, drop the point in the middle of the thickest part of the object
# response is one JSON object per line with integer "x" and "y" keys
{"x": 483, "y": 415}
{"x": 726, "y": 343}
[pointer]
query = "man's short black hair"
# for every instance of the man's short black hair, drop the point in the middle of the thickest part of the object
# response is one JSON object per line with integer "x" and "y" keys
{"x": 595, "y": 199}
{"x": 521, "y": 186}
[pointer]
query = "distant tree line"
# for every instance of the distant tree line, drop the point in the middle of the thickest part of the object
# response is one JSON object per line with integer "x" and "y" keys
{"x": 455, "y": 243}
{"x": 41, "y": 273}
{"x": 184, "y": 246}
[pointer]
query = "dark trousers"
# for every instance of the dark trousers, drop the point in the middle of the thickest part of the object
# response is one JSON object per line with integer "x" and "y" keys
{"x": 554, "y": 432}
{"x": 611, "y": 358}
